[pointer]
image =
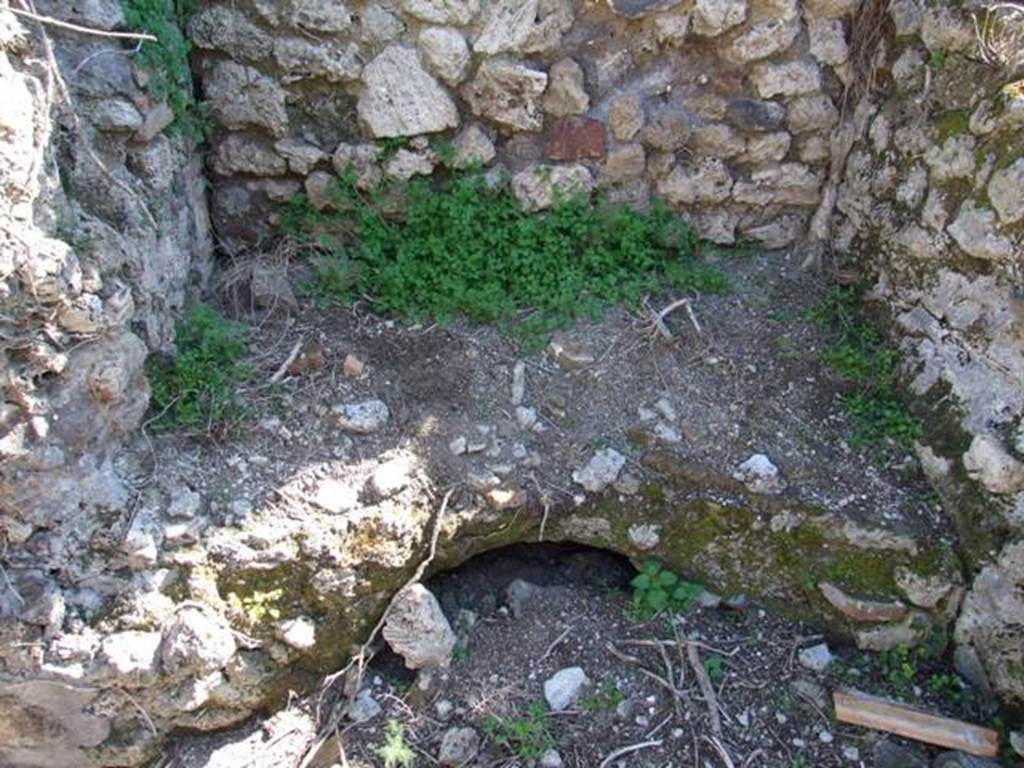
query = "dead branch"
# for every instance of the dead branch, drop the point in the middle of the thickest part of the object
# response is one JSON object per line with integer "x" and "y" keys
{"x": 279, "y": 374}
{"x": 705, "y": 687}
{"x": 623, "y": 751}
{"x": 80, "y": 29}
{"x": 656, "y": 325}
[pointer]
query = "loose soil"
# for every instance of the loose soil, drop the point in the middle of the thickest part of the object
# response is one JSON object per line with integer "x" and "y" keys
{"x": 743, "y": 375}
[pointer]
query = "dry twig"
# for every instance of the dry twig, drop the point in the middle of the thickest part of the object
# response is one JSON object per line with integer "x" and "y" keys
{"x": 622, "y": 752}
{"x": 79, "y": 28}
{"x": 705, "y": 687}
{"x": 279, "y": 374}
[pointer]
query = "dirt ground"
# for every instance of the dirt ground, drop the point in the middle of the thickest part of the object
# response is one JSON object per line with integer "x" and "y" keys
{"x": 774, "y": 712}
{"x": 741, "y": 374}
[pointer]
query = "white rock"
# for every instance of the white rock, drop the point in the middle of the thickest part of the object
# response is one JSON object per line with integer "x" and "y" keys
{"x": 299, "y": 633}
{"x": 601, "y": 471}
{"x": 1006, "y": 191}
{"x": 760, "y": 475}
{"x": 816, "y": 658}
{"x": 361, "y": 418}
{"x": 565, "y": 94}
{"x": 645, "y": 536}
{"x": 564, "y": 688}
{"x": 185, "y": 504}
{"x": 526, "y": 417}
{"x": 320, "y": 16}
{"x": 666, "y": 409}
{"x": 762, "y": 40}
{"x": 392, "y": 477}
{"x": 458, "y": 747}
{"x": 196, "y": 640}
{"x": 242, "y": 97}
{"x": 363, "y": 708}
{"x": 405, "y": 164}
{"x": 302, "y": 156}
{"x": 974, "y": 230}
{"x": 523, "y": 26}
{"x": 828, "y": 41}
{"x": 301, "y": 59}
{"x": 380, "y": 25}
{"x": 811, "y": 113}
{"x": 458, "y": 12}
{"x": 713, "y": 17}
{"x": 336, "y": 495}
{"x": 458, "y": 446}
{"x": 472, "y": 146}
{"x": 362, "y": 159}
{"x": 988, "y": 462}
{"x": 705, "y": 181}
{"x": 551, "y": 759}
{"x": 518, "y": 383}
{"x": 537, "y": 187}
{"x": 667, "y": 433}
{"x": 954, "y": 159}
{"x": 518, "y": 594}
{"x": 789, "y": 79}
{"x": 400, "y": 99}
{"x": 508, "y": 94}
{"x": 132, "y": 656}
{"x": 418, "y": 631}
{"x": 445, "y": 52}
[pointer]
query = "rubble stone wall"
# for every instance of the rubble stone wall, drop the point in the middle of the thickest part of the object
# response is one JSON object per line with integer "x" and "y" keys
{"x": 932, "y": 203}
{"x": 103, "y": 226}
{"x": 721, "y": 107}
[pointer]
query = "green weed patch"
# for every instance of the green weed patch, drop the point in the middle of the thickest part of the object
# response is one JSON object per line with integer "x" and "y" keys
{"x": 433, "y": 251}
{"x": 859, "y": 354}
{"x": 194, "y": 389}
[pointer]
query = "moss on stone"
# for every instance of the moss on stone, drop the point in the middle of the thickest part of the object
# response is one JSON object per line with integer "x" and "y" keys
{"x": 951, "y": 123}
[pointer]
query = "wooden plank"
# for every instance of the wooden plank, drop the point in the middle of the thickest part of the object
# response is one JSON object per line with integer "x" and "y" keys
{"x": 884, "y": 715}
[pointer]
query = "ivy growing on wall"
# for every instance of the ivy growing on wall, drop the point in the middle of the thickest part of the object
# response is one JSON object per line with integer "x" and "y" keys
{"x": 166, "y": 61}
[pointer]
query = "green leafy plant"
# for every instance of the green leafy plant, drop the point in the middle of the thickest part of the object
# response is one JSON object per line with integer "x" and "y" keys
{"x": 899, "y": 665}
{"x": 463, "y": 246}
{"x": 395, "y": 752}
{"x": 715, "y": 666}
{"x": 258, "y": 606}
{"x": 607, "y": 696}
{"x": 166, "y": 61}
{"x": 656, "y": 589}
{"x": 946, "y": 686}
{"x": 195, "y": 387}
{"x": 937, "y": 60}
{"x": 526, "y": 735}
{"x": 859, "y": 355}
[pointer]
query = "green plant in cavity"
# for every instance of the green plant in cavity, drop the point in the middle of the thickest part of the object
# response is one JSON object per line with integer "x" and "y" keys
{"x": 194, "y": 388}
{"x": 899, "y": 665}
{"x": 395, "y": 752}
{"x": 656, "y": 589}
{"x": 431, "y": 250}
{"x": 166, "y": 61}
{"x": 525, "y": 735}
{"x": 946, "y": 686}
